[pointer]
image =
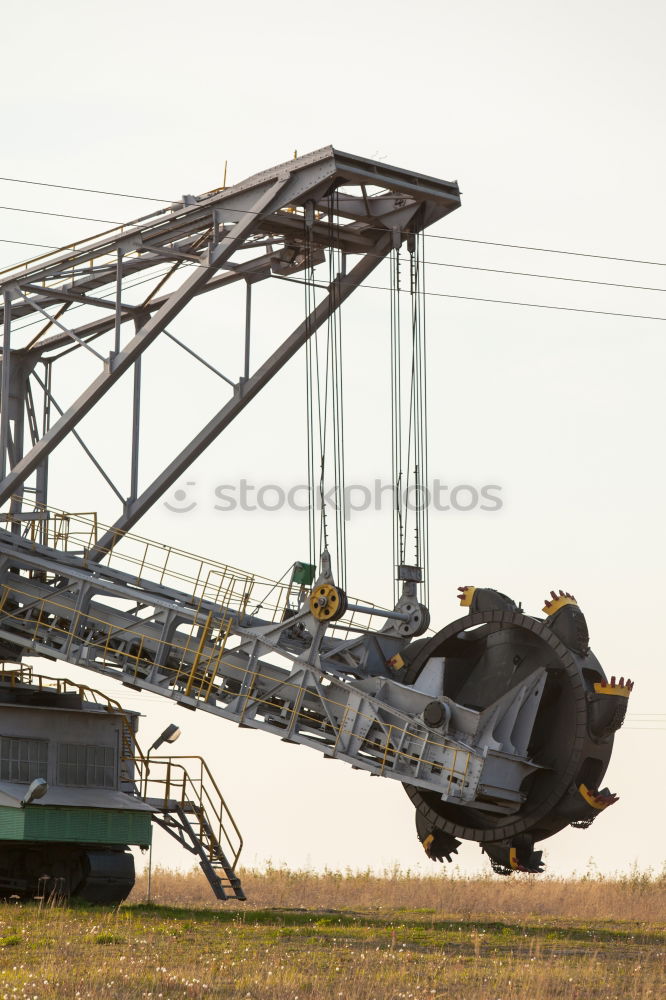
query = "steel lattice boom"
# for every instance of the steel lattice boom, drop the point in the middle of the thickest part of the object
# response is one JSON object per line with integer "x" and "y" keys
{"x": 500, "y": 726}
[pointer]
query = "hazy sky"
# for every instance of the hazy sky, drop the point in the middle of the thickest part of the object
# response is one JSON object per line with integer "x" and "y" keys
{"x": 551, "y": 119}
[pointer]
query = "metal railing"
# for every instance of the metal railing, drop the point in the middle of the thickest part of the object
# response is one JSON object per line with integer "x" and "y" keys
{"x": 55, "y": 624}
{"x": 143, "y": 560}
{"x": 191, "y": 662}
{"x": 187, "y": 783}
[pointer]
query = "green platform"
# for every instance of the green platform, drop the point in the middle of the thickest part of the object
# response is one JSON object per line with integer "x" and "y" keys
{"x": 75, "y": 825}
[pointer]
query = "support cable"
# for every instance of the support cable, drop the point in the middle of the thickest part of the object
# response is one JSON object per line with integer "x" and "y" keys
{"x": 309, "y": 303}
{"x": 335, "y": 373}
{"x": 325, "y": 405}
{"x": 409, "y": 446}
{"x": 396, "y": 417}
{"x": 420, "y": 420}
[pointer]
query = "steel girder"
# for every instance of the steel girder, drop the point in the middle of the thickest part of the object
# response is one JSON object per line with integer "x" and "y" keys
{"x": 333, "y": 689}
{"x": 273, "y": 224}
{"x": 219, "y": 658}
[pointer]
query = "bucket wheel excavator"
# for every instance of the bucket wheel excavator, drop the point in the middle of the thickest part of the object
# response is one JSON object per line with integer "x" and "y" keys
{"x": 530, "y": 686}
{"x": 500, "y": 726}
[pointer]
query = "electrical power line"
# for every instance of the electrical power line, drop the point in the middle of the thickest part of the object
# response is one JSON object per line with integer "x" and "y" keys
{"x": 547, "y": 277}
{"x": 465, "y": 298}
{"x": 568, "y": 253}
{"x": 451, "y": 295}
{"x": 434, "y": 236}
{"x": 468, "y": 298}
{"x": 23, "y": 243}
{"x": 503, "y": 302}
{"x": 70, "y": 187}
{"x": 131, "y": 283}
{"x": 534, "y": 305}
{"x": 432, "y": 263}
{"x": 59, "y": 215}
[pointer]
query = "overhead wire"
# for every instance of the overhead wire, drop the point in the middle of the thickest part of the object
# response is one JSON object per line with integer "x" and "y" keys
{"x": 71, "y": 187}
{"x": 167, "y": 201}
{"x": 130, "y": 283}
{"x": 60, "y": 215}
{"x": 451, "y": 295}
{"x": 507, "y": 302}
{"x": 434, "y": 263}
{"x": 567, "y": 253}
{"x": 24, "y": 243}
{"x": 649, "y": 724}
{"x": 545, "y": 277}
{"x": 440, "y": 236}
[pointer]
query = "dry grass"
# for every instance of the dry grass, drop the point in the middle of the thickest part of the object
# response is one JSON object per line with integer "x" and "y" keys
{"x": 357, "y": 936}
{"x": 637, "y": 896}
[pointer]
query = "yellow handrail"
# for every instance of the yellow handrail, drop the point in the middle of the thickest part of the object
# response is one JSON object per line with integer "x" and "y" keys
{"x": 200, "y": 794}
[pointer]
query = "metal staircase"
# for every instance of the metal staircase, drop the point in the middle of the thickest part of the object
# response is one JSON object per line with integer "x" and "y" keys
{"x": 190, "y": 807}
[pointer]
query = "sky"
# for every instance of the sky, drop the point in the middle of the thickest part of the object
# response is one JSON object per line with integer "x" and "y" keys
{"x": 549, "y": 117}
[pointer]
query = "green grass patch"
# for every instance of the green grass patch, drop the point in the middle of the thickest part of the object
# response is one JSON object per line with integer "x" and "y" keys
{"x": 274, "y": 953}
{"x": 108, "y": 939}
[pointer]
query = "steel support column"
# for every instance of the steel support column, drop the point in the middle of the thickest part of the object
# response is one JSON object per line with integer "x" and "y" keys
{"x": 6, "y": 383}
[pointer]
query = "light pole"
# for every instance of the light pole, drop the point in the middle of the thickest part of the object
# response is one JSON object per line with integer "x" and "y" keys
{"x": 169, "y": 735}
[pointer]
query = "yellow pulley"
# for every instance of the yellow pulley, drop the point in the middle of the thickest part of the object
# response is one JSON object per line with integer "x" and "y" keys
{"x": 327, "y": 602}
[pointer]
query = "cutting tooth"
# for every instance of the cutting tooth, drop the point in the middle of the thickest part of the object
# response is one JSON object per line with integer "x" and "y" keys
{"x": 595, "y": 798}
{"x": 558, "y": 601}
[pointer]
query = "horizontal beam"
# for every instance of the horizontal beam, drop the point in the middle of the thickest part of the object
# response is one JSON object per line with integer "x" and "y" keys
{"x": 47, "y": 295}
{"x": 98, "y": 327}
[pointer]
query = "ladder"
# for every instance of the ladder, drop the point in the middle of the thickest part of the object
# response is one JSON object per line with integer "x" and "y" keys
{"x": 190, "y": 808}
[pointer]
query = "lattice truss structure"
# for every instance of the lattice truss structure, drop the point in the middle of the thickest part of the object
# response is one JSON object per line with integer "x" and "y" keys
{"x": 207, "y": 635}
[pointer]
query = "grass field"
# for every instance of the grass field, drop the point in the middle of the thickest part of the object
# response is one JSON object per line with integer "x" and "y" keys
{"x": 310, "y": 936}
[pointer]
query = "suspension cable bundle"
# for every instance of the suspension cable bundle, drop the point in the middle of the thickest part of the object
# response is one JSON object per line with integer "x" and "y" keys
{"x": 325, "y": 408}
{"x": 396, "y": 425}
{"x": 334, "y": 371}
{"x": 312, "y": 395}
{"x": 410, "y": 483}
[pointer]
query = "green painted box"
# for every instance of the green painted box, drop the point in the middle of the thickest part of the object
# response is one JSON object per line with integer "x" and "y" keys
{"x": 75, "y": 825}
